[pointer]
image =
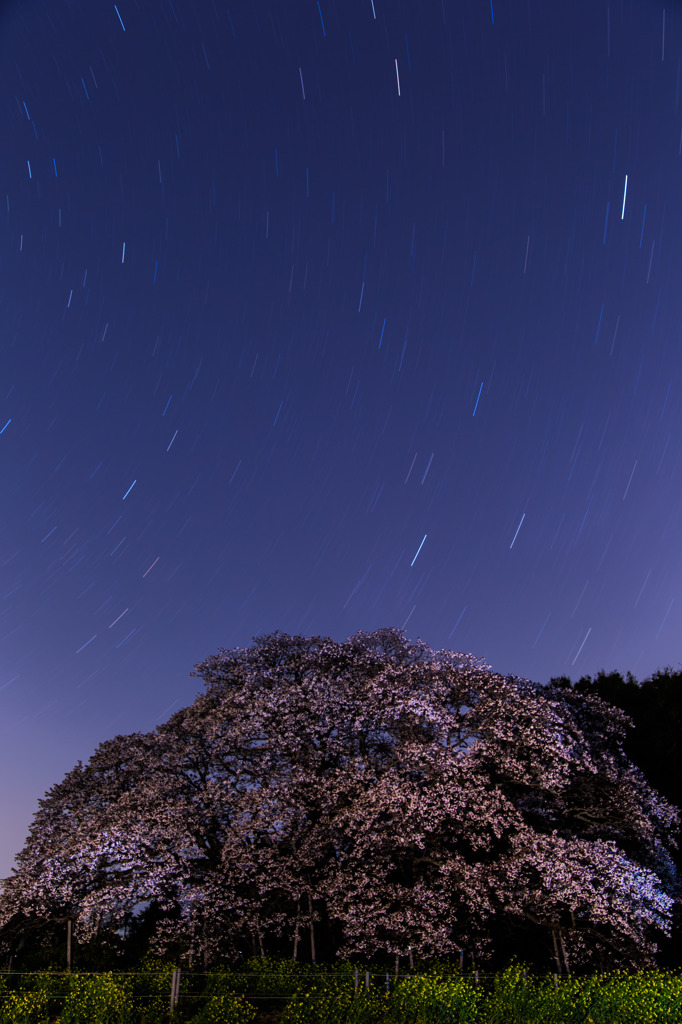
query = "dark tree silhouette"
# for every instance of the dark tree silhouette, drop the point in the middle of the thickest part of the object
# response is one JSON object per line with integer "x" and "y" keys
{"x": 653, "y": 741}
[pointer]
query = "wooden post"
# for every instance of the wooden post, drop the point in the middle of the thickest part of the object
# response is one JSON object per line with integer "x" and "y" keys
{"x": 556, "y": 982}
{"x": 175, "y": 990}
{"x": 68, "y": 944}
{"x": 357, "y": 978}
{"x": 388, "y": 989}
{"x": 366, "y": 981}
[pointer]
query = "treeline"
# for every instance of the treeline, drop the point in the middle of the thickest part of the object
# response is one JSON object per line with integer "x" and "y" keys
{"x": 652, "y": 741}
{"x": 372, "y": 798}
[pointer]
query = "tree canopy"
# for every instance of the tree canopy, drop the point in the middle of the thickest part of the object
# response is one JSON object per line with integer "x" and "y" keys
{"x": 369, "y": 797}
{"x": 653, "y": 741}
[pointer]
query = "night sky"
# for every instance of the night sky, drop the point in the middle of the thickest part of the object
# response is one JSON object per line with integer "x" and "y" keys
{"x": 319, "y": 317}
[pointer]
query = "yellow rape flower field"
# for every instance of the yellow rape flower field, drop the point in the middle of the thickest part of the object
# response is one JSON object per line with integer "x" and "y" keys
{"x": 283, "y": 992}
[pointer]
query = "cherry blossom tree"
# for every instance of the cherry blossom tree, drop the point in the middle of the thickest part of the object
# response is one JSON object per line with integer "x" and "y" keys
{"x": 369, "y": 797}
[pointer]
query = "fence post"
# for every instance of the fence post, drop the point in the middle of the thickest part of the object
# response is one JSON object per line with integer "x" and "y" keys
{"x": 556, "y": 982}
{"x": 387, "y": 984}
{"x": 367, "y": 981}
{"x": 476, "y": 976}
{"x": 175, "y": 990}
{"x": 357, "y": 977}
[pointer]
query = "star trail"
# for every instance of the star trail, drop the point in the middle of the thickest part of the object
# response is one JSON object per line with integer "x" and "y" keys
{"x": 289, "y": 286}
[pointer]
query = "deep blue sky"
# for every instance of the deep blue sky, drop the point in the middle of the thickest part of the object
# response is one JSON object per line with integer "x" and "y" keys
{"x": 318, "y": 282}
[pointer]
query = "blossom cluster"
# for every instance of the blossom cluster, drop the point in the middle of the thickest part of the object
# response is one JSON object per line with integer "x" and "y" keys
{"x": 396, "y": 800}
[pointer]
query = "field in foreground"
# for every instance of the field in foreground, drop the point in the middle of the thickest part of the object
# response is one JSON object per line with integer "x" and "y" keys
{"x": 285, "y": 992}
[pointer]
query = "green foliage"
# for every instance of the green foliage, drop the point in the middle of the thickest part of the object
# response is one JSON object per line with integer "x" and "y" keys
{"x": 97, "y": 999}
{"x": 51, "y": 985}
{"x": 331, "y": 1000}
{"x": 326, "y": 995}
{"x": 648, "y": 997}
{"x": 514, "y": 996}
{"x": 54, "y": 983}
{"x": 276, "y": 977}
{"x": 224, "y": 982}
{"x": 150, "y": 988}
{"x": 435, "y": 1000}
{"x": 24, "y": 1008}
{"x": 225, "y": 1009}
{"x": 41, "y": 954}
{"x": 513, "y": 999}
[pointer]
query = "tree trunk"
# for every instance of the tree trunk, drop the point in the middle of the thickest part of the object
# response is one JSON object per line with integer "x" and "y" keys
{"x": 556, "y": 951}
{"x": 298, "y": 918}
{"x": 563, "y": 950}
{"x": 312, "y": 929}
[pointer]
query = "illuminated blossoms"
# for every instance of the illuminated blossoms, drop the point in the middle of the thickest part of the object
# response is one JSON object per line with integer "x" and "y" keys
{"x": 369, "y": 797}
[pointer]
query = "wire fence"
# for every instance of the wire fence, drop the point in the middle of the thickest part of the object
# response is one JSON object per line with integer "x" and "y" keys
{"x": 261, "y": 985}
{"x": 255, "y": 985}
{"x": 173, "y": 993}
